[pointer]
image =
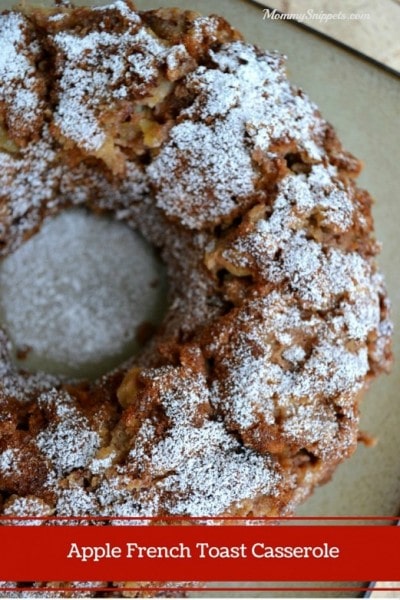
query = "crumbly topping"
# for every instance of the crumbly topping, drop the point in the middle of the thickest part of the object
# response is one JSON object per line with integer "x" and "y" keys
{"x": 217, "y": 175}
{"x": 320, "y": 276}
{"x": 287, "y": 375}
{"x": 281, "y": 248}
{"x": 68, "y": 442}
{"x": 76, "y": 589}
{"x": 28, "y": 181}
{"x": 36, "y": 179}
{"x": 27, "y": 506}
{"x": 298, "y": 372}
{"x": 205, "y": 26}
{"x": 175, "y": 59}
{"x": 123, "y": 8}
{"x": 100, "y": 465}
{"x": 197, "y": 467}
{"x": 116, "y": 496}
{"x": 20, "y": 85}
{"x": 99, "y": 69}
{"x": 9, "y": 461}
{"x": 243, "y": 104}
{"x": 76, "y": 502}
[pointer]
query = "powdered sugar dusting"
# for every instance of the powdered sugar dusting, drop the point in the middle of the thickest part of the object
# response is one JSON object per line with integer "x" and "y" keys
{"x": 35, "y": 178}
{"x": 18, "y": 75}
{"x": 244, "y": 104}
{"x": 9, "y": 461}
{"x": 76, "y": 589}
{"x": 205, "y": 26}
{"x": 286, "y": 373}
{"x": 69, "y": 442}
{"x": 125, "y": 64}
{"x": 76, "y": 502}
{"x": 299, "y": 370}
{"x": 24, "y": 506}
{"x": 194, "y": 468}
{"x": 300, "y": 199}
{"x": 216, "y": 169}
{"x": 73, "y": 300}
{"x": 198, "y": 467}
{"x": 14, "y": 384}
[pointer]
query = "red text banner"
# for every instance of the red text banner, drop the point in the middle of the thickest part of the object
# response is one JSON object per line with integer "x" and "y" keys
{"x": 200, "y": 553}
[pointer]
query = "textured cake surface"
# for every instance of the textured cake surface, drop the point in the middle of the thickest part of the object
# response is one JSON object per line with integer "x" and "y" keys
{"x": 247, "y": 396}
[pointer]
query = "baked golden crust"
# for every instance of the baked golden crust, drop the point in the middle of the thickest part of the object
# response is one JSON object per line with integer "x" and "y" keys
{"x": 247, "y": 397}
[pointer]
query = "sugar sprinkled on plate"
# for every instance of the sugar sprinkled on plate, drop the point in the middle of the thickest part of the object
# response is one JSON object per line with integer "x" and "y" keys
{"x": 77, "y": 292}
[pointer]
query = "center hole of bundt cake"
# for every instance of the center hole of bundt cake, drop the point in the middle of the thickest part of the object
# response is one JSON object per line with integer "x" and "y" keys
{"x": 81, "y": 296}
